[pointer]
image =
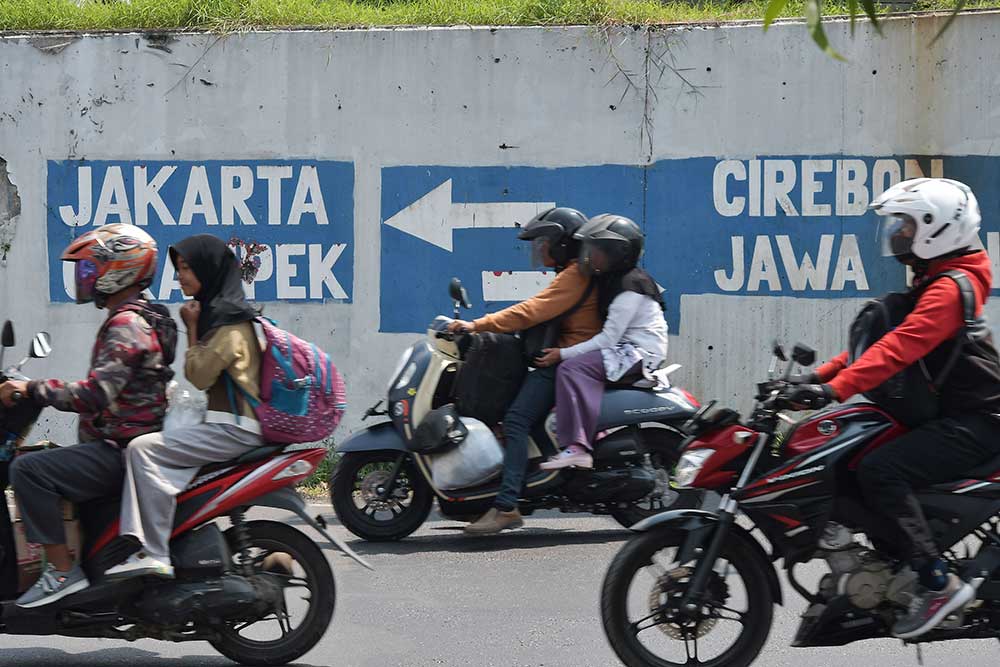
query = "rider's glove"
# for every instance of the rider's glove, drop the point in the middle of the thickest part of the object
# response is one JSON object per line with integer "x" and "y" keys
{"x": 803, "y": 378}
{"x": 811, "y": 396}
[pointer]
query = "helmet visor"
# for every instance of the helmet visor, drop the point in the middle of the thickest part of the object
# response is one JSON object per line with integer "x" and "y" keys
{"x": 599, "y": 256}
{"x": 896, "y": 234}
{"x": 85, "y": 278}
{"x": 540, "y": 252}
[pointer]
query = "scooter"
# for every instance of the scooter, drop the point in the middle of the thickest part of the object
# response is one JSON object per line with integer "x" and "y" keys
{"x": 382, "y": 489}
{"x": 261, "y": 592}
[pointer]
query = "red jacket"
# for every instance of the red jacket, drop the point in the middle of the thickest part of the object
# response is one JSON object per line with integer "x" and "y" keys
{"x": 936, "y": 318}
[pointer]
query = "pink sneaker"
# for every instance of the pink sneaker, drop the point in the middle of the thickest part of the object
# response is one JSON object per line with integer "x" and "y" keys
{"x": 569, "y": 458}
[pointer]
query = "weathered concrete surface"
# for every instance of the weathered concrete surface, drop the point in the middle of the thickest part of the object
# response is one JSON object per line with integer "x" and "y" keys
{"x": 485, "y": 97}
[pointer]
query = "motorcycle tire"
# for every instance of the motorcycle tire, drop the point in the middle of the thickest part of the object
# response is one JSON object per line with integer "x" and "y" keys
{"x": 349, "y": 478}
{"x": 637, "y": 553}
{"x": 279, "y": 538}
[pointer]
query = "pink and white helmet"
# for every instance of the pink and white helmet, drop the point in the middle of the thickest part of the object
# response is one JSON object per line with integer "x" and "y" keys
{"x": 927, "y": 218}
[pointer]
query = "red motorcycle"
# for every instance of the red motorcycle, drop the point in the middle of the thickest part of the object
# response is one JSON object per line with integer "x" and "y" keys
{"x": 697, "y": 587}
{"x": 261, "y": 592}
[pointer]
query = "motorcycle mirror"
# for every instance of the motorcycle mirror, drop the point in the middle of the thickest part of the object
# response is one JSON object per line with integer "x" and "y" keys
{"x": 41, "y": 346}
{"x": 778, "y": 351}
{"x": 8, "y": 334}
{"x": 458, "y": 293}
{"x": 803, "y": 355}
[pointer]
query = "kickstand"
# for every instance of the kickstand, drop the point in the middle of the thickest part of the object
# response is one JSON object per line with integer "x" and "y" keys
{"x": 920, "y": 655}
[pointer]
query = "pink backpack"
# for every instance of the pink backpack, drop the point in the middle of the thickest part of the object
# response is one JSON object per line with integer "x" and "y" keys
{"x": 302, "y": 394}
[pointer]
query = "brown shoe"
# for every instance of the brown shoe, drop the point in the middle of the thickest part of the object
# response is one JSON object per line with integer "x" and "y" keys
{"x": 495, "y": 521}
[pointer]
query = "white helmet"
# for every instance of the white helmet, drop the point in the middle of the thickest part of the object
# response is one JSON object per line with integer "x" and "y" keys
{"x": 927, "y": 217}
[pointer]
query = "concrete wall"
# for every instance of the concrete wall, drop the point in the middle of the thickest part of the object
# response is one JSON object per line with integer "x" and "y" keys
{"x": 374, "y": 165}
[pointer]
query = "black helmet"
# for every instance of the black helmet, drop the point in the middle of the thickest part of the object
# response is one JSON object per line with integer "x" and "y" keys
{"x": 609, "y": 244}
{"x": 553, "y": 229}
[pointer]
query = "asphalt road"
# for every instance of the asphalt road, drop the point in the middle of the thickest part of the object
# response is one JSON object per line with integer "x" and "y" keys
{"x": 524, "y": 599}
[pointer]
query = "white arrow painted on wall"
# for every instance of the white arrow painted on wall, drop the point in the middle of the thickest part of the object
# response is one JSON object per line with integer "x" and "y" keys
{"x": 434, "y": 216}
{"x": 518, "y": 285}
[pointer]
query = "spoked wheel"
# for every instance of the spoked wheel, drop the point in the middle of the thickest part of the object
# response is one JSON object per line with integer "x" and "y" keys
{"x": 664, "y": 449}
{"x": 647, "y": 625}
{"x": 305, "y": 608}
{"x": 357, "y": 493}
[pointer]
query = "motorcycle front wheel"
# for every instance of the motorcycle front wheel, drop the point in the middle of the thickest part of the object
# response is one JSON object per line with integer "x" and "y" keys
{"x": 354, "y": 493}
{"x": 646, "y": 625}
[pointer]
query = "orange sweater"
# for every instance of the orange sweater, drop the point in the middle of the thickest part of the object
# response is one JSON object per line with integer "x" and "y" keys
{"x": 561, "y": 295}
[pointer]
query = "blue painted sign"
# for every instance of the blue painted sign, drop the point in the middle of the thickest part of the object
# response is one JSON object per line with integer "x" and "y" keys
{"x": 440, "y": 222}
{"x": 291, "y": 220}
{"x": 768, "y": 226}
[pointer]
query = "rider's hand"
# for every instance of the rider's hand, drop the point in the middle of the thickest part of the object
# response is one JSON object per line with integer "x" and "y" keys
{"x": 9, "y": 389}
{"x": 803, "y": 378}
{"x": 550, "y": 357}
{"x": 190, "y": 312}
{"x": 811, "y": 396}
{"x": 461, "y": 326}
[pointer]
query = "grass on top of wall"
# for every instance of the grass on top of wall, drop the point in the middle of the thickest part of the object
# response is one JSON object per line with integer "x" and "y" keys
{"x": 239, "y": 15}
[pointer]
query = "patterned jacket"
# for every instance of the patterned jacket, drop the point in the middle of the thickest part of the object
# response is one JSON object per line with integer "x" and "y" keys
{"x": 124, "y": 394}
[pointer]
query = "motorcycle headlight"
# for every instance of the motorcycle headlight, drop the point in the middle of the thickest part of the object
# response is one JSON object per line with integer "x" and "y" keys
{"x": 690, "y": 465}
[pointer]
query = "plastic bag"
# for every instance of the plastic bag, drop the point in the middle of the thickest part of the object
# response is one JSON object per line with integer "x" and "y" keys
{"x": 184, "y": 408}
{"x": 476, "y": 460}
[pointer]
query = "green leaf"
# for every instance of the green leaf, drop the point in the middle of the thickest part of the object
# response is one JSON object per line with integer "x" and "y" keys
{"x": 852, "y": 7}
{"x": 814, "y": 22}
{"x": 774, "y": 8}
{"x": 872, "y": 11}
{"x": 951, "y": 19}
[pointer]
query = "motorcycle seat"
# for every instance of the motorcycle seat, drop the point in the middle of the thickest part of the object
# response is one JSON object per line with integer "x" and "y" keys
{"x": 252, "y": 456}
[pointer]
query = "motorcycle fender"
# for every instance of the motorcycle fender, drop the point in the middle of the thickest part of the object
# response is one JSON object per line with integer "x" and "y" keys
{"x": 287, "y": 498}
{"x": 700, "y": 524}
{"x": 380, "y": 437}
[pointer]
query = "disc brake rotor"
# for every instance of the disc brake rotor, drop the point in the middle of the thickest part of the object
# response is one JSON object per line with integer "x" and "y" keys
{"x": 665, "y": 597}
{"x": 369, "y": 490}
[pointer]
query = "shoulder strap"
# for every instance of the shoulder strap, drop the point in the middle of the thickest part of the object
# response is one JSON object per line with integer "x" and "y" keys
{"x": 968, "y": 296}
{"x": 576, "y": 306}
{"x": 967, "y": 293}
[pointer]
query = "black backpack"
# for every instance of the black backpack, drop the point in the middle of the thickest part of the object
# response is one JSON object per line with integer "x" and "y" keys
{"x": 911, "y": 396}
{"x": 491, "y": 376}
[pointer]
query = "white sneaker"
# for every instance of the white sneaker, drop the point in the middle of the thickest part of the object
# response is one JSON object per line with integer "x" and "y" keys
{"x": 141, "y": 564}
{"x": 568, "y": 459}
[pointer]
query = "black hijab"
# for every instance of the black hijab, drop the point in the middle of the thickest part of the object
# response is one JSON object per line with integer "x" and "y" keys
{"x": 634, "y": 280}
{"x": 221, "y": 297}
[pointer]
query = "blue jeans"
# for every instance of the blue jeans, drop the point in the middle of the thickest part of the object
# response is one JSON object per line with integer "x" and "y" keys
{"x": 532, "y": 405}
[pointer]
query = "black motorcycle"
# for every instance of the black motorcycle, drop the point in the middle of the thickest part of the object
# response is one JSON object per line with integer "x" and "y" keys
{"x": 383, "y": 486}
{"x": 697, "y": 587}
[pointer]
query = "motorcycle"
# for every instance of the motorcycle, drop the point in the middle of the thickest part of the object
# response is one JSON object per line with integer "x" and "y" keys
{"x": 261, "y": 592}
{"x": 383, "y": 490}
{"x": 711, "y": 581}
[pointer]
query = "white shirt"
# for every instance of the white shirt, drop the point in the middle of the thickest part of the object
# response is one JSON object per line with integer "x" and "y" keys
{"x": 634, "y": 331}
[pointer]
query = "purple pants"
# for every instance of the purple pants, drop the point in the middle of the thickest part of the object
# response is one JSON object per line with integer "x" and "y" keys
{"x": 580, "y": 383}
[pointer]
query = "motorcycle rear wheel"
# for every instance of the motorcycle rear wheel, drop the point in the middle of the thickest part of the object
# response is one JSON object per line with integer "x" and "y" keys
{"x": 664, "y": 447}
{"x": 309, "y": 570}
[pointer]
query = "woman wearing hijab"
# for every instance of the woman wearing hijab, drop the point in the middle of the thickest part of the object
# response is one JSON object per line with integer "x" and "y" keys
{"x": 630, "y": 347}
{"x": 223, "y": 359}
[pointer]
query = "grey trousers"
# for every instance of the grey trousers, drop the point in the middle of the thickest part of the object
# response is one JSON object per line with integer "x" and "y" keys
{"x": 77, "y": 473}
{"x": 160, "y": 465}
